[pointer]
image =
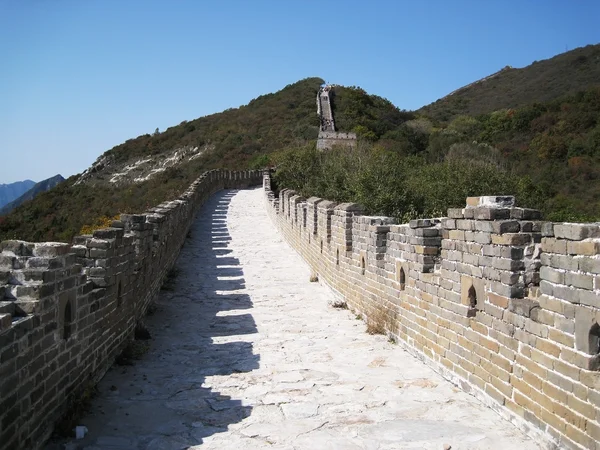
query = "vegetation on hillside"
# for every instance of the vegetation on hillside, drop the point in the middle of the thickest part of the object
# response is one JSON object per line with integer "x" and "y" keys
{"x": 547, "y": 154}
{"x": 237, "y": 136}
{"x": 68, "y": 209}
{"x": 541, "y": 81}
{"x": 387, "y": 183}
{"x": 532, "y": 132}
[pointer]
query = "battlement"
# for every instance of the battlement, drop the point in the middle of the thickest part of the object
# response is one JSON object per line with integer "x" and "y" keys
{"x": 68, "y": 310}
{"x": 329, "y": 139}
{"x": 502, "y": 303}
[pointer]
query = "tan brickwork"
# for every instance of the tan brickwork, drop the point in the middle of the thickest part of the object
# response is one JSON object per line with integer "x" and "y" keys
{"x": 66, "y": 311}
{"x": 498, "y": 301}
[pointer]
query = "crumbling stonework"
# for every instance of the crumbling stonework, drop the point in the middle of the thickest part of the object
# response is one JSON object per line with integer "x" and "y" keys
{"x": 501, "y": 303}
{"x": 67, "y": 311}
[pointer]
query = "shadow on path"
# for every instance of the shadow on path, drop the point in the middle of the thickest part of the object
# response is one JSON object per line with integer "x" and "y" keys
{"x": 203, "y": 328}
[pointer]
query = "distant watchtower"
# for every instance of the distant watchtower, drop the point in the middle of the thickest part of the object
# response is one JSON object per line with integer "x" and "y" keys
{"x": 328, "y": 137}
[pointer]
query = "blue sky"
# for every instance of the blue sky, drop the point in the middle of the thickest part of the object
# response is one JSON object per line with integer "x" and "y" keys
{"x": 79, "y": 77}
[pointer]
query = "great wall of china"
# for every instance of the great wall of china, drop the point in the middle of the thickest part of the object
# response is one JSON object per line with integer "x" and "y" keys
{"x": 501, "y": 303}
{"x": 69, "y": 310}
{"x": 328, "y": 136}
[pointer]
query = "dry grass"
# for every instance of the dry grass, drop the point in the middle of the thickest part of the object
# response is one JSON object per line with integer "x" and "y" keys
{"x": 381, "y": 320}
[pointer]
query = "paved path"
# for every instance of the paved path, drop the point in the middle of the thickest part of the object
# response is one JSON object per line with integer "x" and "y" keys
{"x": 247, "y": 354}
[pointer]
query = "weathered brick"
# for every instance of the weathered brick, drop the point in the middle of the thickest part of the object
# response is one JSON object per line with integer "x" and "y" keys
{"x": 586, "y": 248}
{"x": 554, "y": 245}
{"x": 511, "y": 239}
{"x": 576, "y": 231}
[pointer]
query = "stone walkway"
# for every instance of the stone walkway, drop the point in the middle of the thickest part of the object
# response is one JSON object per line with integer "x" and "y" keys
{"x": 246, "y": 354}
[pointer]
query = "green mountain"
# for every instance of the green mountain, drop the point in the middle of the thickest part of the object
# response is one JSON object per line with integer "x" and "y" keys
{"x": 147, "y": 170}
{"x": 542, "y": 81}
{"x": 533, "y": 131}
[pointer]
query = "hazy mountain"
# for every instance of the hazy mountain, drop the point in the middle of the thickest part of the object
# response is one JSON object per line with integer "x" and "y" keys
{"x": 9, "y": 192}
{"x": 30, "y": 194}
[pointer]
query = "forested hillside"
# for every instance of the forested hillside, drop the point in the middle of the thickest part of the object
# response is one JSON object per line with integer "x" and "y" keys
{"x": 535, "y": 134}
{"x": 541, "y": 81}
{"x": 548, "y": 154}
{"x": 236, "y": 139}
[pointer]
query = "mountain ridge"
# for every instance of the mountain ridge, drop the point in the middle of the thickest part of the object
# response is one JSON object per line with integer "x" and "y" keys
{"x": 30, "y": 194}
{"x": 540, "y": 81}
{"x": 550, "y": 148}
{"x": 11, "y": 191}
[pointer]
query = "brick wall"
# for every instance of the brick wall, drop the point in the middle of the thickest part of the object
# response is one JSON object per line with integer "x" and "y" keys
{"x": 499, "y": 302}
{"x": 66, "y": 311}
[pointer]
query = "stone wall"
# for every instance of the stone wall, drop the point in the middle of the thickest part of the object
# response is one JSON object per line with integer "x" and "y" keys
{"x": 328, "y": 137}
{"x": 499, "y": 302}
{"x": 68, "y": 310}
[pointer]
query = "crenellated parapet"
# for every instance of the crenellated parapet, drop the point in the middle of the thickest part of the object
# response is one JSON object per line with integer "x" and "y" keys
{"x": 502, "y": 303}
{"x": 67, "y": 310}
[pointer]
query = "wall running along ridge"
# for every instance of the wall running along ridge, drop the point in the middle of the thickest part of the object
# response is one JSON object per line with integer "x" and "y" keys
{"x": 502, "y": 304}
{"x": 68, "y": 310}
{"x": 328, "y": 137}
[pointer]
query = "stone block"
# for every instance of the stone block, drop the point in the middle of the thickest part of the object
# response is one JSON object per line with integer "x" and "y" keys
{"x": 577, "y": 280}
{"x": 554, "y": 245}
{"x": 449, "y": 224}
{"x": 552, "y": 275}
{"x": 455, "y": 213}
{"x": 547, "y": 229}
{"x": 472, "y": 201}
{"x": 512, "y": 291}
{"x": 525, "y": 214}
{"x": 16, "y": 247}
{"x": 506, "y": 226}
{"x": 508, "y": 264}
{"x": 576, "y": 231}
{"x": 490, "y": 213}
{"x": 108, "y": 233}
{"x": 511, "y": 239}
{"x": 350, "y": 207}
{"x": 586, "y": 247}
{"x": 456, "y": 235}
{"x": 98, "y": 244}
{"x": 482, "y": 238}
{"x": 559, "y": 261}
{"x": 589, "y": 298}
{"x": 523, "y": 306}
{"x": 484, "y": 225}
{"x": 51, "y": 249}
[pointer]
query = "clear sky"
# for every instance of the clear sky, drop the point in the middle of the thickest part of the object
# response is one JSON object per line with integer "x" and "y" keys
{"x": 79, "y": 77}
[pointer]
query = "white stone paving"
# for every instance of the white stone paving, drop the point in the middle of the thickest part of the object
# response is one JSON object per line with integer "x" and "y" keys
{"x": 247, "y": 354}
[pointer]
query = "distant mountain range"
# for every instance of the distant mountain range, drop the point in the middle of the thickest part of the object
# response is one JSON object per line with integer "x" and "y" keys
{"x": 9, "y": 192}
{"x": 31, "y": 192}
